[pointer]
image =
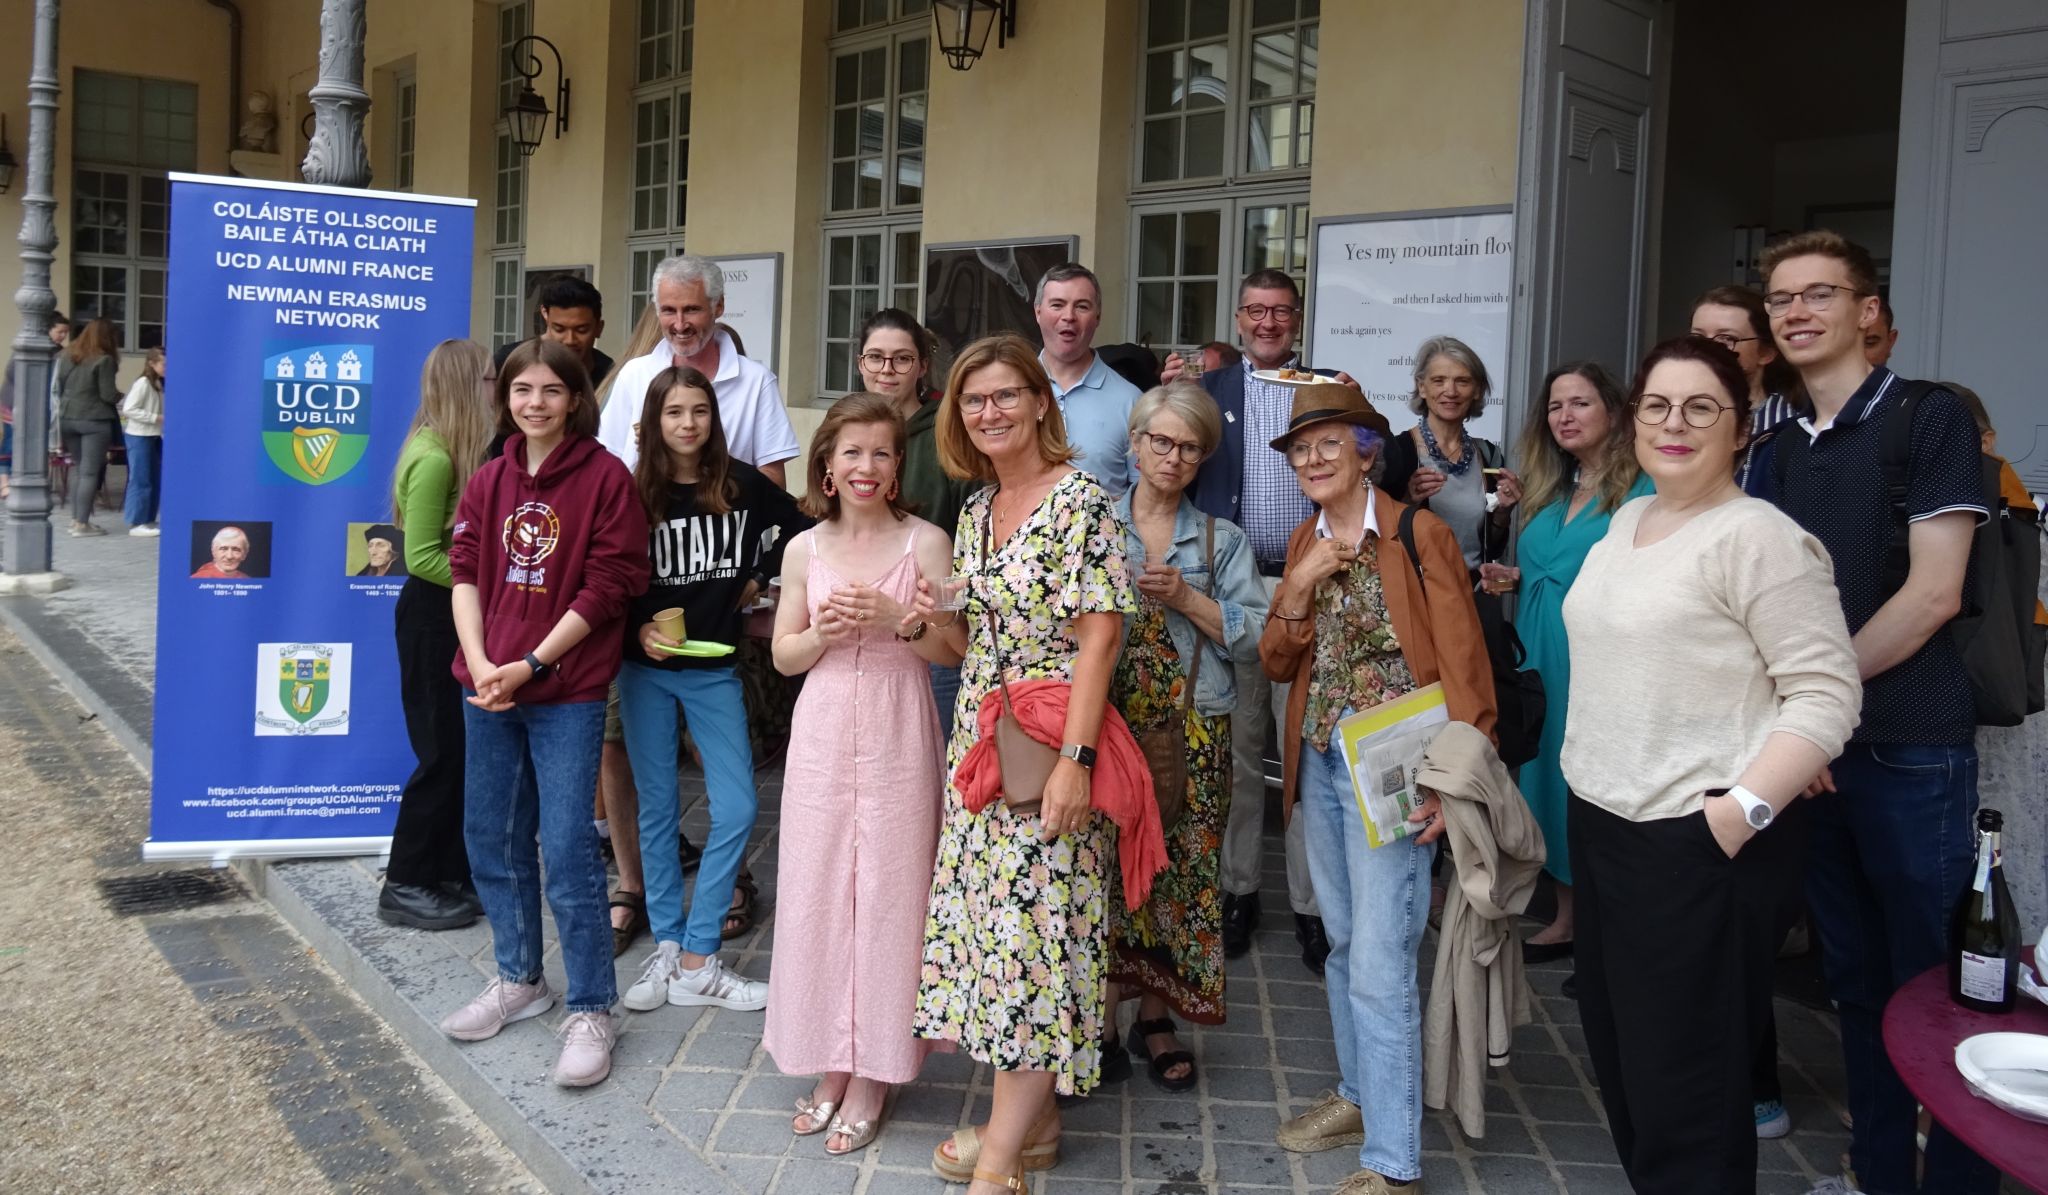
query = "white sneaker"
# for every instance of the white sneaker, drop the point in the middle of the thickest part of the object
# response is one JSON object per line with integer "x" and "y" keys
{"x": 587, "y": 1041}
{"x": 712, "y": 984}
{"x": 1835, "y": 1185}
{"x": 651, "y": 990}
{"x": 144, "y": 530}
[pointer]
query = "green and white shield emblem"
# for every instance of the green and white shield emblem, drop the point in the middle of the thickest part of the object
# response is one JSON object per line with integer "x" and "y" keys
{"x": 302, "y": 686}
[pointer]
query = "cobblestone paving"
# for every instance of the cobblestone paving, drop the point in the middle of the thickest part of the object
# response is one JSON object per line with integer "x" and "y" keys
{"x": 695, "y": 1106}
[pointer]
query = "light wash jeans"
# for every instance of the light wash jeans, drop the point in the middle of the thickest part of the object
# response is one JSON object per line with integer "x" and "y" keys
{"x": 1375, "y": 904}
{"x": 528, "y": 772}
{"x": 715, "y": 706}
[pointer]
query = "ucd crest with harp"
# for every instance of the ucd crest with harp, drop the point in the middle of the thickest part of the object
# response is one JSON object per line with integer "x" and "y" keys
{"x": 302, "y": 688}
{"x": 316, "y": 410}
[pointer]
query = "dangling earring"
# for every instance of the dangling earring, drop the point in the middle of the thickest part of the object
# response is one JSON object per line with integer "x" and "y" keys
{"x": 895, "y": 487}
{"x": 830, "y": 488}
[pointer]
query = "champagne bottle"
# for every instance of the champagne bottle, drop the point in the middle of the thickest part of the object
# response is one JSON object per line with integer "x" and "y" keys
{"x": 1984, "y": 952}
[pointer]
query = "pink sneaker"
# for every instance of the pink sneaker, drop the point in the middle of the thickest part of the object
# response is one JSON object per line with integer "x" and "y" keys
{"x": 587, "y": 1040}
{"x": 501, "y": 1004}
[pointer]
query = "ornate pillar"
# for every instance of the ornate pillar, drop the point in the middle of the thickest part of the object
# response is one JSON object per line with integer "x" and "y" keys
{"x": 28, "y": 506}
{"x": 336, "y": 156}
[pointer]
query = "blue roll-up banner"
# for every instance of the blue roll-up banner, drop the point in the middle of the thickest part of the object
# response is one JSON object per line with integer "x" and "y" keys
{"x": 298, "y": 319}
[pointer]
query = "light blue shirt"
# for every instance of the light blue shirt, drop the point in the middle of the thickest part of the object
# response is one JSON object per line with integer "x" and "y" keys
{"x": 1098, "y": 413}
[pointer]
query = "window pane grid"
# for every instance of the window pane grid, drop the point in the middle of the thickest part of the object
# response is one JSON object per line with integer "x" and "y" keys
{"x": 666, "y": 40}
{"x": 876, "y": 131}
{"x": 408, "y": 132}
{"x": 508, "y": 227}
{"x": 515, "y": 20}
{"x": 127, "y": 132}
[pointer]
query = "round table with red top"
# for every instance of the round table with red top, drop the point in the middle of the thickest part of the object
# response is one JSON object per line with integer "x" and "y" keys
{"x": 1922, "y": 1028}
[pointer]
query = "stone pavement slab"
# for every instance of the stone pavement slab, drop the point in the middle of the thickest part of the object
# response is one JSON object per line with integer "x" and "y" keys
{"x": 695, "y": 1106}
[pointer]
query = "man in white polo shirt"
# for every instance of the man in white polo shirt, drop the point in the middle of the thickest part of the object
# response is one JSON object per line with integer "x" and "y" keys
{"x": 689, "y": 297}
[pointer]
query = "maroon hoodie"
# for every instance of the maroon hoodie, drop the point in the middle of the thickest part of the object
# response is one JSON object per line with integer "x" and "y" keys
{"x": 572, "y": 538}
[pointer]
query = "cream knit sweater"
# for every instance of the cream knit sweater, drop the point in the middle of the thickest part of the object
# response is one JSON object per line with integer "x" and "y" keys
{"x": 1688, "y": 653}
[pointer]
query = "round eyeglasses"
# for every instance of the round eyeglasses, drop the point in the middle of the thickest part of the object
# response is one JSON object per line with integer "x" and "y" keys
{"x": 1697, "y": 411}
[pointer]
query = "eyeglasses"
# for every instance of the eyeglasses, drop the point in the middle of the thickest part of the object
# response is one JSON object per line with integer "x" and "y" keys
{"x": 1328, "y": 449}
{"x": 877, "y": 362}
{"x": 1816, "y": 297}
{"x": 1279, "y": 311}
{"x": 1165, "y": 445}
{"x": 1005, "y": 399}
{"x": 1697, "y": 412}
{"x": 1728, "y": 340}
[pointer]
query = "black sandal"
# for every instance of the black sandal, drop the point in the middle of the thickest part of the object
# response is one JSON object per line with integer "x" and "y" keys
{"x": 688, "y": 852}
{"x": 1115, "y": 1067}
{"x": 1162, "y": 1063}
{"x": 624, "y": 935}
{"x": 739, "y": 918}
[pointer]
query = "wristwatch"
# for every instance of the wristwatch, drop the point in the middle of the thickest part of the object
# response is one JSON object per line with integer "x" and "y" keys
{"x": 1755, "y": 810}
{"x": 539, "y": 669}
{"x": 916, "y": 633}
{"x": 1085, "y": 756}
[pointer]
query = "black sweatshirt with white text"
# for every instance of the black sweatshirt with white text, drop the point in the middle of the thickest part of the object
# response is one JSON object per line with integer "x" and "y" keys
{"x": 702, "y": 562}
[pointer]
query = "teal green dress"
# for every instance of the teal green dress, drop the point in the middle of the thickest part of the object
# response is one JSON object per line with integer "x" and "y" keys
{"x": 1550, "y": 553}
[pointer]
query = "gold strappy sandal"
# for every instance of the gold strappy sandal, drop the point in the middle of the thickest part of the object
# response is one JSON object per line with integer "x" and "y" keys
{"x": 820, "y": 1114}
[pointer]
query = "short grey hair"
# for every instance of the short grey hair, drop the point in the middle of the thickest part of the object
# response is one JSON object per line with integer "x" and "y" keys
{"x": 1460, "y": 352}
{"x": 1189, "y": 401}
{"x": 1066, "y": 271}
{"x": 685, "y": 268}
{"x": 220, "y": 537}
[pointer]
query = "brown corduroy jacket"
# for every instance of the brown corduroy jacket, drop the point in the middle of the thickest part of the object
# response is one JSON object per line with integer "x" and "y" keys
{"x": 1438, "y": 630}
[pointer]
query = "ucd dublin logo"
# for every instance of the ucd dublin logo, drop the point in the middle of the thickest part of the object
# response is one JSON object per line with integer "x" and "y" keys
{"x": 302, "y": 688}
{"x": 316, "y": 410}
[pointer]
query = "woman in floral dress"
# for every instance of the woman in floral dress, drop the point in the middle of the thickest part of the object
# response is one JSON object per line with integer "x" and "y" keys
{"x": 1015, "y": 944}
{"x": 1198, "y": 594}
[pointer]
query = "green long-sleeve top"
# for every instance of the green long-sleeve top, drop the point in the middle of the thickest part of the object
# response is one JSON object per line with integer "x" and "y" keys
{"x": 937, "y": 497}
{"x": 426, "y": 497}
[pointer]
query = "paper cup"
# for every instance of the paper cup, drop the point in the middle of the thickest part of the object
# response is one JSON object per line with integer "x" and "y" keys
{"x": 670, "y": 623}
{"x": 1492, "y": 479}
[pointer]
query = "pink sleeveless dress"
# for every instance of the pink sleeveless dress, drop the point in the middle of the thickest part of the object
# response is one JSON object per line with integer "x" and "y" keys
{"x": 861, "y": 802}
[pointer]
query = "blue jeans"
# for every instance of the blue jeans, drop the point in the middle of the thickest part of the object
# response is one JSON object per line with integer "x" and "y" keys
{"x": 715, "y": 705}
{"x": 528, "y": 772}
{"x": 1890, "y": 851}
{"x": 946, "y": 694}
{"x": 1375, "y": 904}
{"x": 145, "y": 477}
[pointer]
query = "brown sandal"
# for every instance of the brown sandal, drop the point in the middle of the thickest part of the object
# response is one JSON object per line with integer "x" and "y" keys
{"x": 739, "y": 918}
{"x": 1014, "y": 1182}
{"x": 623, "y": 936}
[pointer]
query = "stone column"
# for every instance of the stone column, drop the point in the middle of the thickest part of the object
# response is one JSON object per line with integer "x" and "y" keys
{"x": 336, "y": 156}
{"x": 28, "y": 505}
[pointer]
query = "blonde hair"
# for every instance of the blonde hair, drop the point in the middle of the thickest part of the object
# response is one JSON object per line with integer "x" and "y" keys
{"x": 454, "y": 410}
{"x": 1189, "y": 401}
{"x": 958, "y": 456}
{"x": 646, "y": 330}
{"x": 153, "y": 368}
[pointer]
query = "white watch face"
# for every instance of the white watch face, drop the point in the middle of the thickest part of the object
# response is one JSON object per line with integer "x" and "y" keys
{"x": 1759, "y": 815}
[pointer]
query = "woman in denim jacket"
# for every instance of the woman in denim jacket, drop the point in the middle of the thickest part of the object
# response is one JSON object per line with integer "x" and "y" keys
{"x": 1198, "y": 595}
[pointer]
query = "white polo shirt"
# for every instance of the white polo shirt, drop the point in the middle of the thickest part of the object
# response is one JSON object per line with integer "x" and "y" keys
{"x": 757, "y": 428}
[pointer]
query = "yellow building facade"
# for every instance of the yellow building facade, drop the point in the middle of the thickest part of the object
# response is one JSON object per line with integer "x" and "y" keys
{"x": 1173, "y": 143}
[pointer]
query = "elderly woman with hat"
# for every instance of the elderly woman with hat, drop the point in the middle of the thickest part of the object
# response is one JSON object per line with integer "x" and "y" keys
{"x": 1353, "y": 625}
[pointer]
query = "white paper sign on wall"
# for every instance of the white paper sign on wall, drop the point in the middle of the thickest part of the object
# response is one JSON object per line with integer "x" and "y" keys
{"x": 1381, "y": 285}
{"x": 753, "y": 302}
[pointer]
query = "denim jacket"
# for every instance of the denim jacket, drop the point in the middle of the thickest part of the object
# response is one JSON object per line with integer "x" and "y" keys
{"x": 1234, "y": 584}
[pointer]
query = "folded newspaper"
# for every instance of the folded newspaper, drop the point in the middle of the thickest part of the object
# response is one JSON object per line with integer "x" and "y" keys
{"x": 1383, "y": 748}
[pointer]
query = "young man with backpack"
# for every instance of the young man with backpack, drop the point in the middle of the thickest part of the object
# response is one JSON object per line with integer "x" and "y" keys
{"x": 1892, "y": 837}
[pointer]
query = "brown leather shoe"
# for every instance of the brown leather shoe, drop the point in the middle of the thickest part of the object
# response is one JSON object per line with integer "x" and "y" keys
{"x": 1333, "y": 1122}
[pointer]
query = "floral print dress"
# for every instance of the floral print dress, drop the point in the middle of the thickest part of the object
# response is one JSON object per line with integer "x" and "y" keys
{"x": 1015, "y": 939}
{"x": 1172, "y": 947}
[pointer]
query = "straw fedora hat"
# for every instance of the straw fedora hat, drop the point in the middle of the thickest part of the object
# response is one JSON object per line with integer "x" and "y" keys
{"x": 1331, "y": 402}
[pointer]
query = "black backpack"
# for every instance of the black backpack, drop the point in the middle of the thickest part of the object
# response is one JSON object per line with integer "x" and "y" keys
{"x": 1518, "y": 698}
{"x": 2001, "y": 644}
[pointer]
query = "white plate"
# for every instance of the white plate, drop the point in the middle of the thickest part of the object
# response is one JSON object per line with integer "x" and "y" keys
{"x": 1273, "y": 376}
{"x": 2009, "y": 1069}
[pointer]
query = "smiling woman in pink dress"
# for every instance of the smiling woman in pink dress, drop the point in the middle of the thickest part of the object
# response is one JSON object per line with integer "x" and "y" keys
{"x": 862, "y": 789}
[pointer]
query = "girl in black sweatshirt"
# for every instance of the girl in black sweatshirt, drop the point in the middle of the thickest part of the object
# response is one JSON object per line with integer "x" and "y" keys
{"x": 718, "y": 528}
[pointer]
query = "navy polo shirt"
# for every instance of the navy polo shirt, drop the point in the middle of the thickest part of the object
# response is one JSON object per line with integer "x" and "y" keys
{"x": 1839, "y": 496}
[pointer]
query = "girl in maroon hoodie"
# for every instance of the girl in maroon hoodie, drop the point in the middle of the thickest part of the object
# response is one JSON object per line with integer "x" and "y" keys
{"x": 549, "y": 547}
